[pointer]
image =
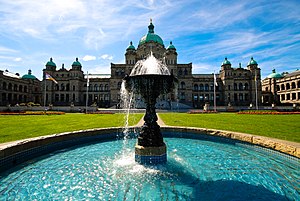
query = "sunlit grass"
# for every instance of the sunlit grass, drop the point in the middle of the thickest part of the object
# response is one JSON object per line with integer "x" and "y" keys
{"x": 16, "y": 127}
{"x": 286, "y": 127}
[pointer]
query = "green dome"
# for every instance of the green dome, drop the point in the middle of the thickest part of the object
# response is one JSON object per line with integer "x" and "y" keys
{"x": 76, "y": 63}
{"x": 29, "y": 76}
{"x": 51, "y": 63}
{"x": 252, "y": 62}
{"x": 151, "y": 36}
{"x": 275, "y": 75}
{"x": 226, "y": 62}
{"x": 171, "y": 46}
{"x": 130, "y": 47}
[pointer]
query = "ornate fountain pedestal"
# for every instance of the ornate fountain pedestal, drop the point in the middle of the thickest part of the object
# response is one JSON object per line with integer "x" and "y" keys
{"x": 150, "y": 147}
{"x": 150, "y": 155}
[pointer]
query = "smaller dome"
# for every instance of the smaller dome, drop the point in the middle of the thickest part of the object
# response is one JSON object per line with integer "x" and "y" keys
{"x": 29, "y": 76}
{"x": 275, "y": 75}
{"x": 226, "y": 62}
{"x": 130, "y": 47}
{"x": 51, "y": 63}
{"x": 171, "y": 46}
{"x": 252, "y": 62}
{"x": 76, "y": 63}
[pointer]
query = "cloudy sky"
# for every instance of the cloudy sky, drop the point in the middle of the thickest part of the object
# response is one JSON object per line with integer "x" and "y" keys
{"x": 99, "y": 31}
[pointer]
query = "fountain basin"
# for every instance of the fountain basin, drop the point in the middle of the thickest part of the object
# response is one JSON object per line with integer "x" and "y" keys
{"x": 149, "y": 85}
{"x": 200, "y": 166}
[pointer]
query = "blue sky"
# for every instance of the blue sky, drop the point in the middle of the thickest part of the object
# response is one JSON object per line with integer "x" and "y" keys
{"x": 99, "y": 31}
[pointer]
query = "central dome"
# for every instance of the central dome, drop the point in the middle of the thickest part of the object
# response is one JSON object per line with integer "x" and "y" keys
{"x": 151, "y": 36}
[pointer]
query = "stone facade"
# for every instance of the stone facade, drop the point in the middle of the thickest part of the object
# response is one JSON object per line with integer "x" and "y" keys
{"x": 281, "y": 89}
{"x": 16, "y": 90}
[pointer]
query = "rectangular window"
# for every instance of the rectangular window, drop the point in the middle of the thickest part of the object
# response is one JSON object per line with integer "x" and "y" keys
{"x": 246, "y": 97}
{"x": 206, "y": 97}
{"x": 288, "y": 96}
{"x": 241, "y": 97}
{"x": 201, "y": 97}
{"x": 235, "y": 97}
{"x": 293, "y": 96}
{"x": 282, "y": 97}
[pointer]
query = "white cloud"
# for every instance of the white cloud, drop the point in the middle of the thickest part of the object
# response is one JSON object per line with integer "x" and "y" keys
{"x": 18, "y": 59}
{"x": 106, "y": 57}
{"x": 88, "y": 58}
{"x": 103, "y": 69}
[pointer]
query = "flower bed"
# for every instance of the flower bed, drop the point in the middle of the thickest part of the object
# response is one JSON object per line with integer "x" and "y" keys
{"x": 201, "y": 112}
{"x": 101, "y": 112}
{"x": 267, "y": 112}
{"x": 32, "y": 113}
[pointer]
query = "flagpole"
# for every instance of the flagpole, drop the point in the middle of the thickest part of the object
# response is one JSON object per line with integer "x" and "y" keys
{"x": 256, "y": 98}
{"x": 45, "y": 93}
{"x": 87, "y": 92}
{"x": 215, "y": 99}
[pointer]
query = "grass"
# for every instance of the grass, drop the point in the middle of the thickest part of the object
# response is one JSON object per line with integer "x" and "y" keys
{"x": 285, "y": 127}
{"x": 16, "y": 127}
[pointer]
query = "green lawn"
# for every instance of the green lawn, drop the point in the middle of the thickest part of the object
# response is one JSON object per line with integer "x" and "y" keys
{"x": 15, "y": 127}
{"x": 286, "y": 127}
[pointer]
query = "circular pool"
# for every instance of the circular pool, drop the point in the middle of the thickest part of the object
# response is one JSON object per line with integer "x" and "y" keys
{"x": 197, "y": 169}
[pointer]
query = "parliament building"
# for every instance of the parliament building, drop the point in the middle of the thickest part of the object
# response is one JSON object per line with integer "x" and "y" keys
{"x": 236, "y": 86}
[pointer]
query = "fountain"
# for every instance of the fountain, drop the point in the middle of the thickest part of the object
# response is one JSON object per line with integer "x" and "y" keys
{"x": 150, "y": 78}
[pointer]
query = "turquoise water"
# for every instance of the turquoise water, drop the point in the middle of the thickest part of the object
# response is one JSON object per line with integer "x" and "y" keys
{"x": 196, "y": 170}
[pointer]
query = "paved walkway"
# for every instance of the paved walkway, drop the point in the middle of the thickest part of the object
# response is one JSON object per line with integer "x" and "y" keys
{"x": 159, "y": 122}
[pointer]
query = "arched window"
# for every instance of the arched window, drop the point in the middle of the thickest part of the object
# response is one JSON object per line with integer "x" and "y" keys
{"x": 20, "y": 88}
{"x": 96, "y": 87}
{"x": 277, "y": 88}
{"x": 182, "y": 85}
{"x": 293, "y": 85}
{"x": 57, "y": 87}
{"x": 201, "y": 87}
{"x": 206, "y": 87}
{"x": 25, "y": 88}
{"x": 180, "y": 72}
{"x": 68, "y": 87}
{"x": 287, "y": 86}
{"x": 282, "y": 87}
{"x": 10, "y": 86}
{"x": 185, "y": 72}
{"x": 240, "y": 86}
{"x": 235, "y": 86}
{"x": 195, "y": 87}
{"x": 74, "y": 87}
{"x": 212, "y": 87}
{"x": 101, "y": 87}
{"x": 62, "y": 87}
{"x": 15, "y": 87}
{"x": 246, "y": 86}
{"x": 4, "y": 86}
{"x": 106, "y": 87}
